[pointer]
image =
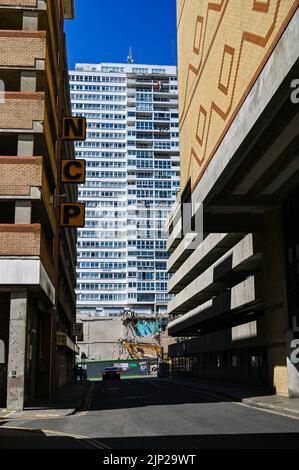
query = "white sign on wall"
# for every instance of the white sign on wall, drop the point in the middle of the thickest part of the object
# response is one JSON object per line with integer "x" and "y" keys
{"x": 2, "y": 352}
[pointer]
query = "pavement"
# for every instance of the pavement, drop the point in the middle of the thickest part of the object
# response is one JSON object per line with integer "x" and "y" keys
{"x": 256, "y": 397}
{"x": 64, "y": 402}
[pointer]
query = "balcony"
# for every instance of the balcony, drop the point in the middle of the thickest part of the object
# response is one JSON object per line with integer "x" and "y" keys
{"x": 210, "y": 278}
{"x": 20, "y": 176}
{"x": 25, "y": 258}
{"x": 22, "y": 112}
{"x": 20, "y": 240}
{"x": 23, "y": 49}
{"x": 19, "y": 3}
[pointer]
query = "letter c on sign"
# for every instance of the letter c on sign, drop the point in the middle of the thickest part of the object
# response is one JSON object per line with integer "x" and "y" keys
{"x": 73, "y": 171}
{"x": 68, "y": 170}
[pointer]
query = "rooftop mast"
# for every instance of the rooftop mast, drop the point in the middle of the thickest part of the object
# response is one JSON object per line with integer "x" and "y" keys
{"x": 130, "y": 56}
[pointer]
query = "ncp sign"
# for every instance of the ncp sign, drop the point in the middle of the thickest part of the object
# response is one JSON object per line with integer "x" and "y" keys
{"x": 73, "y": 172}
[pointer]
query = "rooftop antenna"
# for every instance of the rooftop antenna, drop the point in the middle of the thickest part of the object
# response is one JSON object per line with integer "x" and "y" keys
{"x": 130, "y": 56}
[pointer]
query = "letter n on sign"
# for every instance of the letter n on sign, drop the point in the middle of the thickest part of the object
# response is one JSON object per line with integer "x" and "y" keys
{"x": 74, "y": 128}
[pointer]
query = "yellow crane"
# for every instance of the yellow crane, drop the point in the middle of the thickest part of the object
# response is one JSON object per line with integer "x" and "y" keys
{"x": 138, "y": 350}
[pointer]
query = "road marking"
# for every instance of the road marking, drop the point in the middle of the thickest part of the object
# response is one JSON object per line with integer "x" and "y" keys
{"x": 46, "y": 416}
{"x": 98, "y": 445}
{"x": 7, "y": 415}
{"x": 88, "y": 401}
{"x": 279, "y": 413}
{"x": 91, "y": 441}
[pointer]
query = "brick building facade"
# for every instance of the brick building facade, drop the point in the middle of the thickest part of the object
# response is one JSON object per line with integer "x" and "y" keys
{"x": 37, "y": 257}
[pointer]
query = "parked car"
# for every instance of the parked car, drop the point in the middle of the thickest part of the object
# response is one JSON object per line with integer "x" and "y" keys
{"x": 111, "y": 373}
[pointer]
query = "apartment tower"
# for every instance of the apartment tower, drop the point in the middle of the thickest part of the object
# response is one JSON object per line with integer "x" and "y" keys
{"x": 132, "y": 155}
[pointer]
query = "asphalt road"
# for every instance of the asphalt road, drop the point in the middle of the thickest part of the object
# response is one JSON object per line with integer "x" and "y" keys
{"x": 148, "y": 414}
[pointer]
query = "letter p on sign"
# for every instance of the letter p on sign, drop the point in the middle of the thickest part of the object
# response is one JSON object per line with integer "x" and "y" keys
{"x": 72, "y": 215}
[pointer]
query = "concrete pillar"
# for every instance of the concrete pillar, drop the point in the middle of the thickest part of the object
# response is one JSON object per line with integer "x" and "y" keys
{"x": 275, "y": 302}
{"x": 17, "y": 351}
{"x": 28, "y": 81}
{"x": 30, "y": 20}
{"x": 25, "y": 145}
{"x": 23, "y": 212}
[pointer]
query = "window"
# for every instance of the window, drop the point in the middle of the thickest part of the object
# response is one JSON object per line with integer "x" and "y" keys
{"x": 139, "y": 70}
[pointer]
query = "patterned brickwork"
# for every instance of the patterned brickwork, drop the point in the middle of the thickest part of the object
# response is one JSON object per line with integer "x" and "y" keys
{"x": 20, "y": 110}
{"x": 223, "y": 47}
{"x": 18, "y": 48}
{"x": 20, "y": 240}
{"x": 17, "y": 3}
{"x": 19, "y": 174}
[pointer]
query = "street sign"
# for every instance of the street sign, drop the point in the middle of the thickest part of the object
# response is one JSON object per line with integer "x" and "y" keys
{"x": 74, "y": 128}
{"x": 72, "y": 214}
{"x": 73, "y": 171}
{"x": 61, "y": 339}
{"x": 77, "y": 329}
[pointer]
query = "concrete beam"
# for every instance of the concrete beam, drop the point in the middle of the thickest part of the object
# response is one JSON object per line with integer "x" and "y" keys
{"x": 30, "y": 20}
{"x": 28, "y": 81}
{"x": 229, "y": 308}
{"x": 25, "y": 145}
{"x": 226, "y": 272}
{"x": 22, "y": 272}
{"x": 209, "y": 251}
{"x": 23, "y": 212}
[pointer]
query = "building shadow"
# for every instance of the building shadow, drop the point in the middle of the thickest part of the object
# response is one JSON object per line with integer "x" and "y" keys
{"x": 136, "y": 393}
{"x": 38, "y": 440}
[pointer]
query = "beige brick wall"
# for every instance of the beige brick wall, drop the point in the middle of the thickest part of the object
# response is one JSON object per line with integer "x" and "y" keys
{"x": 18, "y": 175}
{"x": 223, "y": 47}
{"x": 15, "y": 3}
{"x": 19, "y": 48}
{"x": 19, "y": 110}
{"x": 18, "y": 240}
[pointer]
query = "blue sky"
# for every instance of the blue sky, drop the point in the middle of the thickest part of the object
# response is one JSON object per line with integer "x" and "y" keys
{"x": 104, "y": 30}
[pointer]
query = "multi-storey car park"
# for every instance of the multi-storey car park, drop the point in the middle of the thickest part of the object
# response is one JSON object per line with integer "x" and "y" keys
{"x": 132, "y": 155}
{"x": 37, "y": 258}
